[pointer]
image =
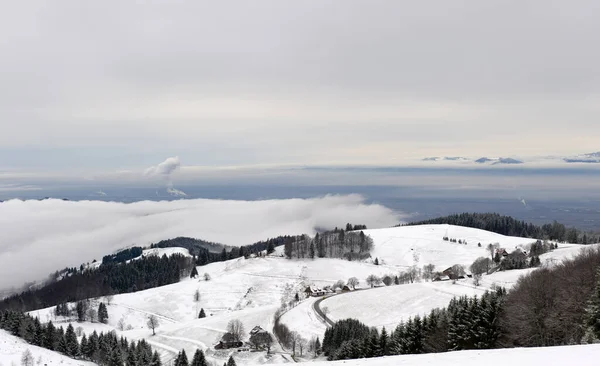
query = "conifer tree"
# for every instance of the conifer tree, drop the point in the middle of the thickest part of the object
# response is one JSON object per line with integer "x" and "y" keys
{"x": 102, "y": 313}
{"x": 194, "y": 273}
{"x": 156, "y": 359}
{"x": 383, "y": 343}
{"x": 199, "y": 359}
{"x": 182, "y": 359}
{"x": 202, "y": 314}
{"x": 116, "y": 357}
{"x": 49, "y": 337}
{"x": 231, "y": 361}
{"x": 71, "y": 342}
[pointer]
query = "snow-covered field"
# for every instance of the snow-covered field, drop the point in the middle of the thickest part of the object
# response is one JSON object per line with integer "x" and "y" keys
{"x": 12, "y": 349}
{"x": 550, "y": 356}
{"x": 251, "y": 290}
{"x": 409, "y": 245}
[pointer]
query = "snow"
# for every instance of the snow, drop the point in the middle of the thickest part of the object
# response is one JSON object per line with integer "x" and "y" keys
{"x": 409, "y": 245}
{"x": 166, "y": 251}
{"x": 251, "y": 290}
{"x": 387, "y": 306}
{"x": 12, "y": 348}
{"x": 567, "y": 355}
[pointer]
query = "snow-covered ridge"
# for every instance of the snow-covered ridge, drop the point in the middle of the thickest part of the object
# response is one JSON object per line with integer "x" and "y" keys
{"x": 542, "y": 161}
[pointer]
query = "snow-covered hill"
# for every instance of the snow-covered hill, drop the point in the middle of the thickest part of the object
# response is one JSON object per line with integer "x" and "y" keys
{"x": 549, "y": 356}
{"x": 424, "y": 244}
{"x": 12, "y": 349}
{"x": 251, "y": 290}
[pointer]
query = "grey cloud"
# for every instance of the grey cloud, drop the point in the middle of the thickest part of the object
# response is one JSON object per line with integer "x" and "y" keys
{"x": 313, "y": 81}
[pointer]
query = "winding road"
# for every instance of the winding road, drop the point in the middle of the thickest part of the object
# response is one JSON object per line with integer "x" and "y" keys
{"x": 320, "y": 313}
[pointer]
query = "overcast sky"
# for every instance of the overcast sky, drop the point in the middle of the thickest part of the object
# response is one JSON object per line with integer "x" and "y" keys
{"x": 113, "y": 85}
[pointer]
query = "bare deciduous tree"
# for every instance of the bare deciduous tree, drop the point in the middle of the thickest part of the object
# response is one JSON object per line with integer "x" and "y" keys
{"x": 428, "y": 271}
{"x": 294, "y": 340}
{"x": 236, "y": 328}
{"x": 353, "y": 282}
{"x": 92, "y": 315}
{"x": 373, "y": 281}
{"x": 339, "y": 284}
{"x": 492, "y": 249}
{"x": 481, "y": 265}
{"x": 477, "y": 279}
{"x": 153, "y": 323}
{"x": 121, "y": 324}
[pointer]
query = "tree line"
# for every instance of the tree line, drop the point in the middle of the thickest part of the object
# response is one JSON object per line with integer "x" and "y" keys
{"x": 548, "y": 307}
{"x": 467, "y": 323}
{"x": 108, "y": 279}
{"x": 510, "y": 226}
{"x": 116, "y": 275}
{"x": 350, "y": 245}
{"x": 103, "y": 349}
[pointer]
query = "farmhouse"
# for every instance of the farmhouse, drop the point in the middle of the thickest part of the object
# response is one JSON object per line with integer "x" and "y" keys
{"x": 348, "y": 288}
{"x": 314, "y": 291}
{"x": 441, "y": 277}
{"x": 453, "y": 276}
{"x": 228, "y": 341}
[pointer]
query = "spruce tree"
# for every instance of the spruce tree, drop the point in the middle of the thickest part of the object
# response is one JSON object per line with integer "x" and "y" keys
{"x": 116, "y": 357}
{"x": 202, "y": 314}
{"x": 50, "y": 340}
{"x": 194, "y": 273}
{"x": 132, "y": 359}
{"x": 156, "y": 359}
{"x": 199, "y": 359}
{"x": 83, "y": 346}
{"x": 383, "y": 343}
{"x": 71, "y": 342}
{"x": 231, "y": 361}
{"x": 183, "y": 360}
{"x": 102, "y": 313}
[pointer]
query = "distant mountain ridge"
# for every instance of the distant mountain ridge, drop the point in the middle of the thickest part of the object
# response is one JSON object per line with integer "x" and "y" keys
{"x": 588, "y": 158}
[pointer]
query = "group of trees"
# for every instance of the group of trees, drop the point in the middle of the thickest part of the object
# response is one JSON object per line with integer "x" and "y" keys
{"x": 206, "y": 252}
{"x": 548, "y": 307}
{"x": 551, "y": 306}
{"x": 111, "y": 278}
{"x": 123, "y": 255}
{"x": 467, "y": 323}
{"x": 84, "y": 311}
{"x": 353, "y": 245}
{"x": 198, "y": 360}
{"x": 507, "y": 225}
{"x": 103, "y": 348}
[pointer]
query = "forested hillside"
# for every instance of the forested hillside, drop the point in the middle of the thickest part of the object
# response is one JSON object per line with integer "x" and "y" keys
{"x": 110, "y": 278}
{"x": 510, "y": 226}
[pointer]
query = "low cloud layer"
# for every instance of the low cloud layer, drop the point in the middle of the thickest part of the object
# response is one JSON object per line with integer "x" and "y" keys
{"x": 39, "y": 237}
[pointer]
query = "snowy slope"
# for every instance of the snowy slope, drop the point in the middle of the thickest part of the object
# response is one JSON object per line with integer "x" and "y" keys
{"x": 409, "y": 245}
{"x": 387, "y": 306}
{"x": 550, "y": 356}
{"x": 12, "y": 348}
{"x": 251, "y": 290}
